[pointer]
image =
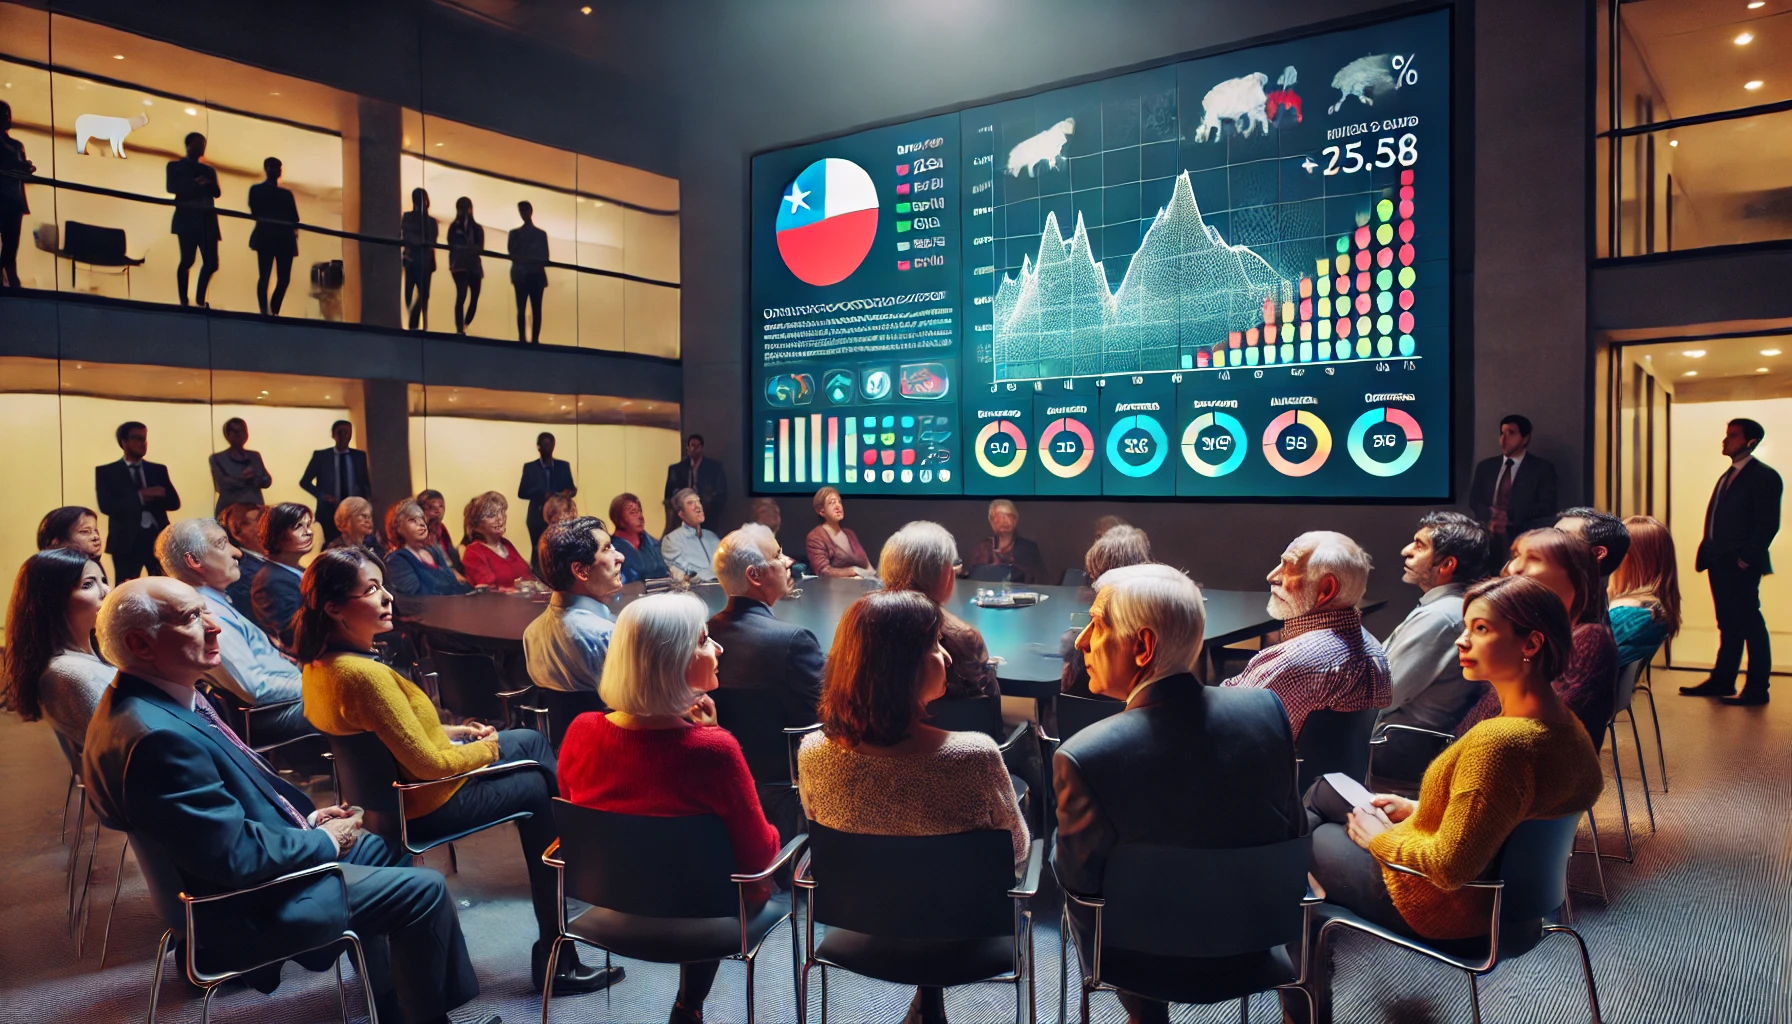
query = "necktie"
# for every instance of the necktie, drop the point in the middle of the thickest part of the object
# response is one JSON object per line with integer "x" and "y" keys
{"x": 1723, "y": 488}
{"x": 343, "y": 481}
{"x": 203, "y": 709}
{"x": 145, "y": 520}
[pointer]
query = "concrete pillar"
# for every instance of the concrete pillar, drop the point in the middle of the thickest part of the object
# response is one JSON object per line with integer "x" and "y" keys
{"x": 372, "y": 137}
{"x": 386, "y": 426}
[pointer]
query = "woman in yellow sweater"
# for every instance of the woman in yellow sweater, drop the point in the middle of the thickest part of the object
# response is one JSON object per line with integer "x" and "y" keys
{"x": 1533, "y": 760}
{"x": 349, "y": 690}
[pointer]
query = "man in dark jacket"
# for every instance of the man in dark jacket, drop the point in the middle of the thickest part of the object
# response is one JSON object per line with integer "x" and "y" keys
{"x": 1514, "y": 491}
{"x": 336, "y": 473}
{"x": 136, "y": 496}
{"x": 702, "y": 475}
{"x": 542, "y": 479}
{"x": 1740, "y": 522}
{"x": 194, "y": 185}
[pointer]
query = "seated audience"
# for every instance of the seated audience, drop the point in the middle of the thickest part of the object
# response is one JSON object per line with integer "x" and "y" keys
{"x": 70, "y": 526}
{"x": 833, "y": 549}
{"x": 558, "y": 507}
{"x": 51, "y": 670}
{"x": 354, "y": 527}
{"x": 690, "y": 549}
{"x": 1605, "y": 533}
{"x": 566, "y": 644}
{"x": 1116, "y": 546}
{"x": 1534, "y": 760}
{"x": 876, "y": 767}
{"x": 658, "y": 752}
{"x": 1588, "y": 683}
{"x": 920, "y": 557}
{"x": 287, "y": 537}
{"x": 415, "y": 566}
{"x": 641, "y": 558}
{"x": 1325, "y": 659}
{"x": 348, "y": 690}
{"x": 1645, "y": 592}
{"x": 491, "y": 560}
{"x": 251, "y": 669}
{"x": 1106, "y": 523}
{"x": 1448, "y": 552}
{"x": 1184, "y": 765}
{"x": 435, "y": 509}
{"x": 1007, "y": 547}
{"x": 767, "y": 514}
{"x": 243, "y": 523}
{"x": 160, "y": 764}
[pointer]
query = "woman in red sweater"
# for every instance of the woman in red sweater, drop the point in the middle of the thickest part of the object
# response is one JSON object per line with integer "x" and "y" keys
{"x": 491, "y": 560}
{"x": 659, "y": 752}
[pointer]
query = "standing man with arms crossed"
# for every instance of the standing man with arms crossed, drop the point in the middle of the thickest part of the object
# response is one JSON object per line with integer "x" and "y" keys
{"x": 1740, "y": 522}
{"x": 136, "y": 496}
{"x": 1514, "y": 491}
{"x": 542, "y": 479}
{"x": 194, "y": 185}
{"x": 336, "y": 473}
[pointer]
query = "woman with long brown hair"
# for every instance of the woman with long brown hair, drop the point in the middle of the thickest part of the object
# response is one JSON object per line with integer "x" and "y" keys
{"x": 51, "y": 670}
{"x": 1645, "y": 591}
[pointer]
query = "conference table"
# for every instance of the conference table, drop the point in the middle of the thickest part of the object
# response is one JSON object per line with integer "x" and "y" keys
{"x": 1023, "y": 640}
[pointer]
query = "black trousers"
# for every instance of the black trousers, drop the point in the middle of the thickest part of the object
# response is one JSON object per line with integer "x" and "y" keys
{"x": 466, "y": 286}
{"x": 416, "y": 294}
{"x": 417, "y": 962}
{"x": 205, "y": 245}
{"x": 12, "y": 223}
{"x": 529, "y": 291}
{"x": 281, "y": 268}
{"x": 138, "y": 558}
{"x": 1736, "y": 596}
{"x": 487, "y": 799}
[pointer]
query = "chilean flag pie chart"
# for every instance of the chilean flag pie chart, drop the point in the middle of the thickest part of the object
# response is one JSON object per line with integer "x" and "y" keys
{"x": 827, "y": 221}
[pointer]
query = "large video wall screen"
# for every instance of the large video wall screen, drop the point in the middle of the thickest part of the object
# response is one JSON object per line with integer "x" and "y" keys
{"x": 1226, "y": 277}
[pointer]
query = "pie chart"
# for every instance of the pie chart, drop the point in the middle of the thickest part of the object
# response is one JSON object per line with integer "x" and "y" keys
{"x": 827, "y": 220}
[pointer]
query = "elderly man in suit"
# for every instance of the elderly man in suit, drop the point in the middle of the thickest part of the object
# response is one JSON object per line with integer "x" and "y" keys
{"x": 136, "y": 496}
{"x": 160, "y": 765}
{"x": 1514, "y": 491}
{"x": 335, "y": 473}
{"x": 1740, "y": 521}
{"x": 1184, "y": 765}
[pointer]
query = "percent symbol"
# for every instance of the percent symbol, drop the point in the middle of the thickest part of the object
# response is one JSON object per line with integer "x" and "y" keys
{"x": 1404, "y": 73}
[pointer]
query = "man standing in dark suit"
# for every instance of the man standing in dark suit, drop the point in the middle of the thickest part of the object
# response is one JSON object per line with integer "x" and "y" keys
{"x": 334, "y": 474}
{"x": 700, "y": 475}
{"x": 1740, "y": 522}
{"x": 542, "y": 479}
{"x": 136, "y": 496}
{"x": 1184, "y": 765}
{"x": 194, "y": 185}
{"x": 161, "y": 766}
{"x": 1514, "y": 491}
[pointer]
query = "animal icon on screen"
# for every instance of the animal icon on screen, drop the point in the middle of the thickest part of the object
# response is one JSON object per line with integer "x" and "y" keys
{"x": 1239, "y": 100}
{"x": 104, "y": 126}
{"x": 1364, "y": 78}
{"x": 1045, "y": 148}
{"x": 1285, "y": 97}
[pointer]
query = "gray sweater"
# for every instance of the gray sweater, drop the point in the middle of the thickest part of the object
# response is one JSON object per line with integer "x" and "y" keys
{"x": 70, "y": 690}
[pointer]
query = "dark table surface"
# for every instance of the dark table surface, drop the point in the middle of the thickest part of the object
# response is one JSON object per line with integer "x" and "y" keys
{"x": 1024, "y": 638}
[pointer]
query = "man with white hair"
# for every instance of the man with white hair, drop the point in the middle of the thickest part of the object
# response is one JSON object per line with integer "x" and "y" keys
{"x": 1326, "y": 659}
{"x": 764, "y": 653}
{"x": 1184, "y": 765}
{"x": 199, "y": 553}
{"x": 162, "y": 766}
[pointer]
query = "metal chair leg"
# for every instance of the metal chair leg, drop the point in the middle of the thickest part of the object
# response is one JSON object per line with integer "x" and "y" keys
{"x": 341, "y": 996}
{"x": 74, "y": 856}
{"x": 749, "y": 990}
{"x": 1064, "y": 964}
{"x": 1244, "y": 1010}
{"x": 65, "y": 795}
{"x": 373, "y": 1013}
{"x": 802, "y": 993}
{"x": 824, "y": 994}
{"x": 1642, "y": 772}
{"x": 1623, "y": 806}
{"x": 547, "y": 983}
{"x": 81, "y": 912}
{"x": 453, "y": 861}
{"x": 1474, "y": 998}
{"x": 1598, "y": 859}
{"x": 1661, "y": 754}
{"x": 205, "y": 1006}
{"x": 1085, "y": 987}
{"x": 117, "y": 884}
{"x": 1586, "y": 966}
{"x": 155, "y": 978}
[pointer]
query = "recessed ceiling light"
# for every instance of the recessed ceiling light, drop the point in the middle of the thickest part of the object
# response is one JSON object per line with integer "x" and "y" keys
{"x": 273, "y": 92}
{"x": 1745, "y": 38}
{"x": 1752, "y": 86}
{"x": 1690, "y": 373}
{"x": 191, "y": 111}
{"x": 439, "y": 144}
{"x": 1756, "y": 4}
{"x": 1770, "y": 351}
{"x": 1673, "y": 142}
{"x": 584, "y": 10}
{"x": 1760, "y": 369}
{"x": 118, "y": 56}
{"x": 1694, "y": 353}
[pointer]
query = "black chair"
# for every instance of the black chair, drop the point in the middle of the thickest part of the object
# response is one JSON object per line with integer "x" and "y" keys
{"x": 89, "y": 244}
{"x": 992, "y": 573}
{"x": 756, "y": 720}
{"x": 919, "y": 910}
{"x": 1334, "y": 741}
{"x": 1399, "y": 755}
{"x": 242, "y": 716}
{"x": 984, "y": 715}
{"x": 1530, "y": 883}
{"x": 210, "y": 965}
{"x": 1627, "y": 680}
{"x": 1074, "y": 578}
{"x": 1078, "y": 713}
{"x": 662, "y": 890}
{"x": 367, "y": 777}
{"x": 559, "y": 707}
{"x": 1169, "y": 903}
{"x": 470, "y": 686}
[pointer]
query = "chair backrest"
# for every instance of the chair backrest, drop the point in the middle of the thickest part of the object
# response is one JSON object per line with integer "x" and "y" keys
{"x": 1176, "y": 901}
{"x": 1534, "y": 865}
{"x": 1334, "y": 741}
{"x": 756, "y": 720}
{"x": 469, "y": 685}
{"x": 967, "y": 714}
{"x": 564, "y": 706}
{"x": 913, "y": 887}
{"x": 365, "y": 772}
{"x": 1628, "y": 674}
{"x": 1078, "y": 713}
{"x": 650, "y": 866}
{"x": 162, "y": 879}
{"x": 992, "y": 573}
{"x": 88, "y": 243}
{"x": 1074, "y": 578}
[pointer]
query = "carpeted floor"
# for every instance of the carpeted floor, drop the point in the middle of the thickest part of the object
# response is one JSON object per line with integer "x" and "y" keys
{"x": 1698, "y": 929}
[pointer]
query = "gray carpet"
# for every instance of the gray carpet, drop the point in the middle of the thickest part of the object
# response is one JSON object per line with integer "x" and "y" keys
{"x": 1698, "y": 929}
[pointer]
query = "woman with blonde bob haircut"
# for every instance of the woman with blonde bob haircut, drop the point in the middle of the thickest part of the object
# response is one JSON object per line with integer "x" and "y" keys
{"x": 658, "y": 752}
{"x": 1645, "y": 591}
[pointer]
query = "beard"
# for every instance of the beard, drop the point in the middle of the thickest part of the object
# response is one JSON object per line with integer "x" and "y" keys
{"x": 1284, "y": 606}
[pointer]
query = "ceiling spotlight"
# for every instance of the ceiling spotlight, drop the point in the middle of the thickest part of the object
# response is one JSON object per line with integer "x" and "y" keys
{"x": 1760, "y": 369}
{"x": 1770, "y": 351}
{"x": 1756, "y": 4}
{"x": 1694, "y": 353}
{"x": 1745, "y": 38}
{"x": 1752, "y": 86}
{"x": 191, "y": 111}
{"x": 1690, "y": 373}
{"x": 584, "y": 10}
{"x": 440, "y": 144}
{"x": 1673, "y": 142}
{"x": 149, "y": 103}
{"x": 118, "y": 56}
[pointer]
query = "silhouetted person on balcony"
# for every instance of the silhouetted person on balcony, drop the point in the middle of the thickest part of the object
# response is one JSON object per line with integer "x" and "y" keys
{"x": 419, "y": 232}
{"x": 194, "y": 186}
{"x": 276, "y": 235}
{"x": 465, "y": 241}
{"x": 528, "y": 268}
{"x": 13, "y": 207}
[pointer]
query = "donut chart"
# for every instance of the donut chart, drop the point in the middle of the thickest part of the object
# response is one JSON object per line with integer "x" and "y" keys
{"x": 1315, "y": 457}
{"x": 1155, "y": 459}
{"x": 1075, "y": 468}
{"x": 1191, "y": 437}
{"x": 1415, "y": 441}
{"x": 1016, "y": 442}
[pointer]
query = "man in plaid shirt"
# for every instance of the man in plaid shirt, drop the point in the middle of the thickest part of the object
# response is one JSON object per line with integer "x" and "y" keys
{"x": 1326, "y": 658}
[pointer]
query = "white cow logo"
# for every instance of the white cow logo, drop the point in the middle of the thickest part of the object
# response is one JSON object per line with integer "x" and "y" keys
{"x": 1239, "y": 100}
{"x": 1361, "y": 77}
{"x": 1045, "y": 148}
{"x": 111, "y": 129}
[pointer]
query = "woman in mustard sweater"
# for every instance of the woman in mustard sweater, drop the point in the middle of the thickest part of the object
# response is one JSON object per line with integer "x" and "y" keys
{"x": 349, "y": 690}
{"x": 1533, "y": 760}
